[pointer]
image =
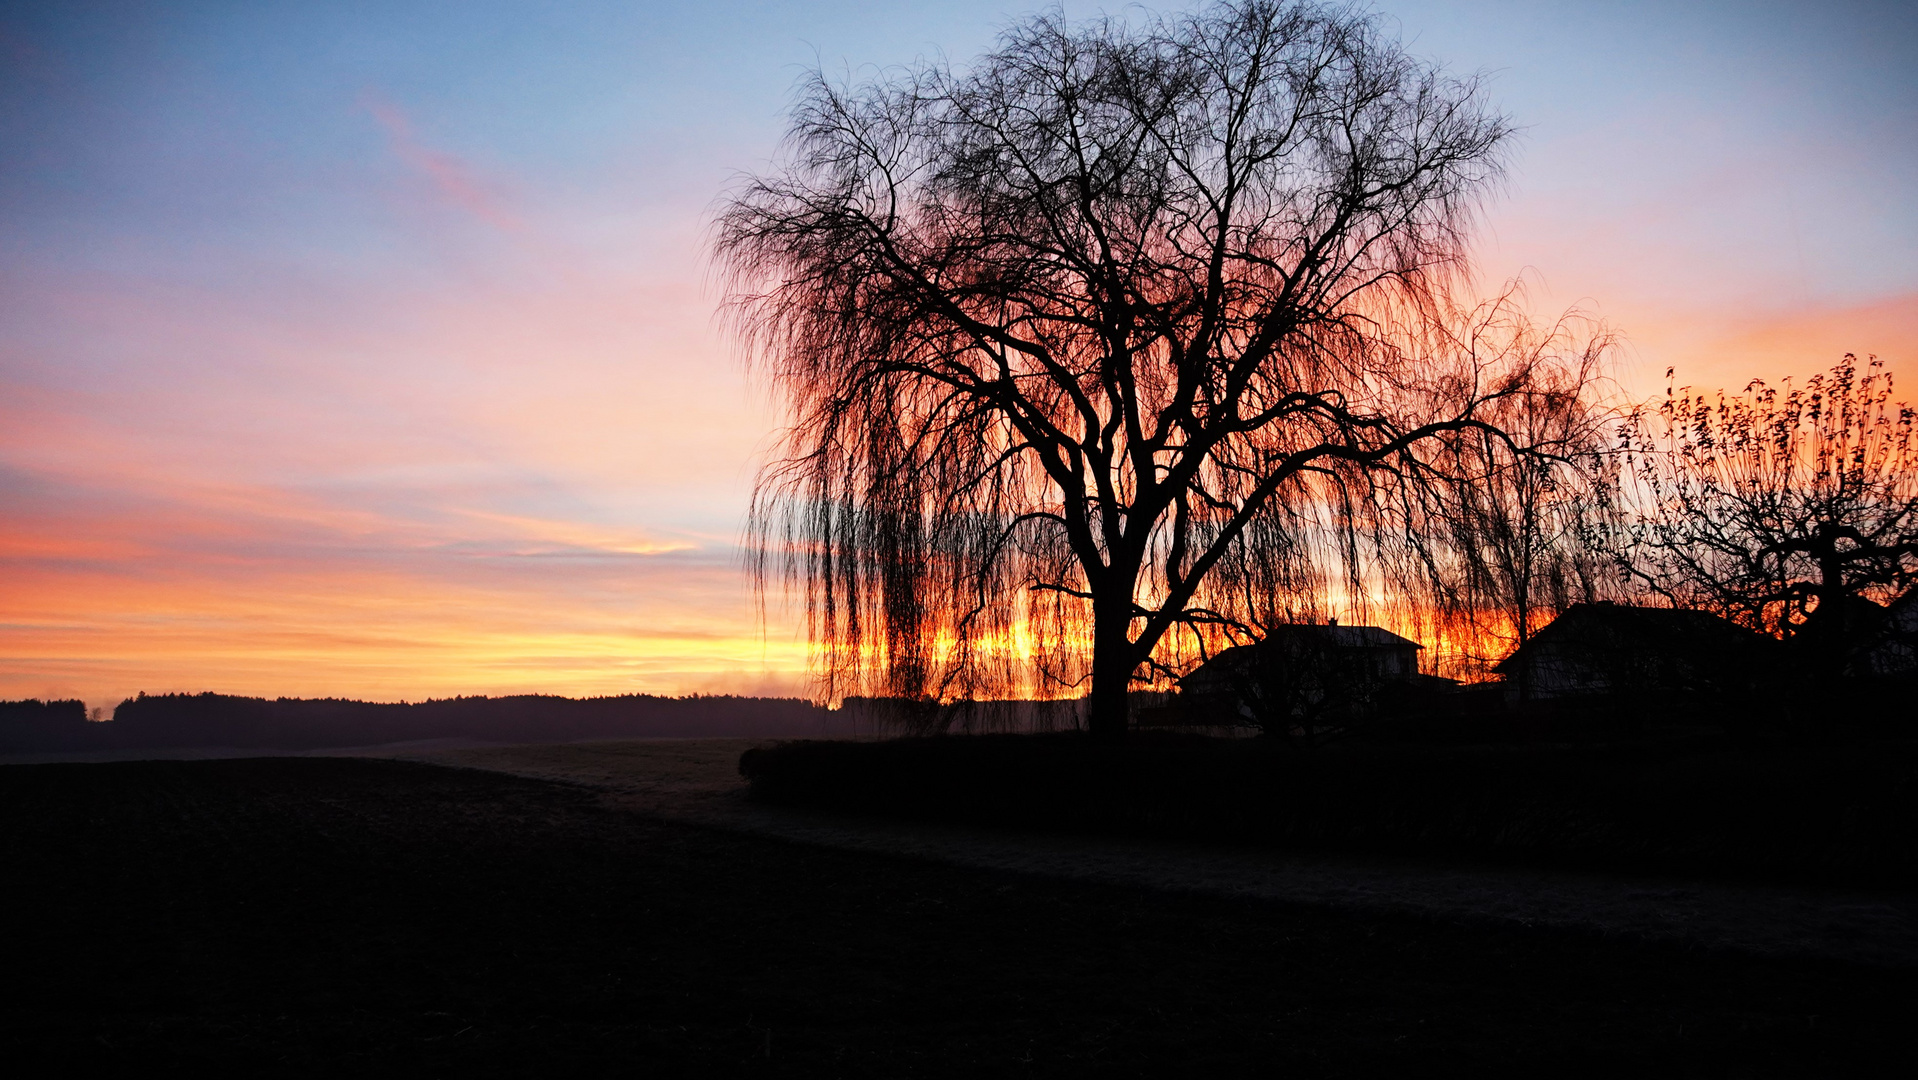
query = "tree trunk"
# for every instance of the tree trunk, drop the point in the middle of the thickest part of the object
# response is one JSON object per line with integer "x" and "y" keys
{"x": 1832, "y": 641}
{"x": 1524, "y": 636}
{"x": 1112, "y": 664}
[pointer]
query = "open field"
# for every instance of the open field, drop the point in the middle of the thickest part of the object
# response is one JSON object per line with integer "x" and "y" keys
{"x": 698, "y": 781}
{"x": 1696, "y": 805}
{"x": 327, "y": 916}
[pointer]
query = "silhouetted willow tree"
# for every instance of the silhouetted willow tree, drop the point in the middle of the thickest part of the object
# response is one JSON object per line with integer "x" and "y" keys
{"x": 1778, "y": 508}
{"x": 1119, "y": 340}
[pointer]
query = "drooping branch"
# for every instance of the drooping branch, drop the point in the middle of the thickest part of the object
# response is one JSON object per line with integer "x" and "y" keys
{"x": 1068, "y": 335}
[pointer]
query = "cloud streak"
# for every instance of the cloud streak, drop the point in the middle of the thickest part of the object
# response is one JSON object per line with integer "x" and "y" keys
{"x": 255, "y": 591}
{"x": 456, "y": 181}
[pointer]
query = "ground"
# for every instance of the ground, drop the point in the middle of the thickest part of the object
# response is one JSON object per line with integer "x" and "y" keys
{"x": 327, "y": 917}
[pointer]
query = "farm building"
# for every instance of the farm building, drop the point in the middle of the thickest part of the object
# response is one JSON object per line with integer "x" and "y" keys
{"x": 1607, "y": 649}
{"x": 1894, "y": 652}
{"x": 1303, "y": 672}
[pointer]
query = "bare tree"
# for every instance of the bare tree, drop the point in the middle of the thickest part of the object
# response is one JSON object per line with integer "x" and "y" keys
{"x": 1080, "y": 342}
{"x": 1779, "y": 507}
{"x": 1525, "y": 504}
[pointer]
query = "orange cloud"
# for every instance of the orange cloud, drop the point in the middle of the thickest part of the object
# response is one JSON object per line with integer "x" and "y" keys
{"x": 1728, "y": 349}
{"x": 521, "y": 480}
{"x": 125, "y": 578}
{"x": 240, "y": 613}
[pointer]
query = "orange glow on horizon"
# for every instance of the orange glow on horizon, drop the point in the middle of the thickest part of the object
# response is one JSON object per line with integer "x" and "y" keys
{"x": 105, "y": 635}
{"x": 443, "y": 408}
{"x": 258, "y": 592}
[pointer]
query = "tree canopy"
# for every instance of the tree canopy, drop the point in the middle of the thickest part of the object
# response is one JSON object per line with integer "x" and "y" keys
{"x": 1120, "y": 342}
{"x": 1778, "y": 507}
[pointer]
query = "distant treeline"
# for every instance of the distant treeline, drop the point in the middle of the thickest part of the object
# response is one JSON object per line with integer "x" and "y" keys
{"x": 184, "y": 721}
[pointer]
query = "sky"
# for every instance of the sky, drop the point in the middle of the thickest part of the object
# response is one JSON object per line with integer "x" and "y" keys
{"x": 369, "y": 350}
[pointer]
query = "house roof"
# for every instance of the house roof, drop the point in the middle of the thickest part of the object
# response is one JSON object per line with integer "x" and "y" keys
{"x": 1346, "y": 637}
{"x": 1902, "y": 613}
{"x": 1337, "y": 637}
{"x": 1851, "y": 613}
{"x": 1611, "y": 626}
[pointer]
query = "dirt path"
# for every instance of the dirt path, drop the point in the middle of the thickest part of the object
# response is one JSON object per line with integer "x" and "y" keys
{"x": 697, "y": 781}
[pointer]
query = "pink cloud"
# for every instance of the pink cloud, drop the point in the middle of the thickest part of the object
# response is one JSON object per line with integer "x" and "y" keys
{"x": 455, "y": 180}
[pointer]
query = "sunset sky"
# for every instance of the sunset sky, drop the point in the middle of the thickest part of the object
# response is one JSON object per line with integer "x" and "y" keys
{"x": 367, "y": 349}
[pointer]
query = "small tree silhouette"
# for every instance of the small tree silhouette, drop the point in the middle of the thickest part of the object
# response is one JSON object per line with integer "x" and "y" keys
{"x": 1294, "y": 683}
{"x": 1780, "y": 508}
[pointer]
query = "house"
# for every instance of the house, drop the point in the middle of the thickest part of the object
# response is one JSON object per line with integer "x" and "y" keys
{"x": 1896, "y": 653}
{"x": 1612, "y": 649}
{"x": 1302, "y": 674}
{"x": 1882, "y": 640}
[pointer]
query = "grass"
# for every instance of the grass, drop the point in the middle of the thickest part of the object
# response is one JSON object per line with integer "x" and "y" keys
{"x": 1703, "y": 805}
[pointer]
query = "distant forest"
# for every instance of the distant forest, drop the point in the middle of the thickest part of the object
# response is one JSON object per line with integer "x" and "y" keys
{"x": 186, "y": 721}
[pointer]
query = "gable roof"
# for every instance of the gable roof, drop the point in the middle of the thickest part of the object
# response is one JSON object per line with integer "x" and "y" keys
{"x": 1309, "y": 637}
{"x": 1902, "y": 614}
{"x": 1612, "y": 626}
{"x": 1344, "y": 637}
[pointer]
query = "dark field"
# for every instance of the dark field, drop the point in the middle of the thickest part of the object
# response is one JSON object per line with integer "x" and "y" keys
{"x": 343, "y": 917}
{"x": 1699, "y": 805}
{"x": 280, "y": 725}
